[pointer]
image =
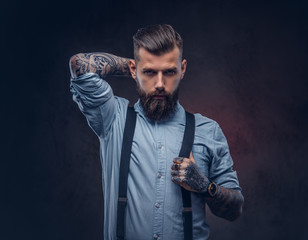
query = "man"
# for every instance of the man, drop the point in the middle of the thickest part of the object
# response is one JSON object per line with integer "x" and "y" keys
{"x": 156, "y": 175}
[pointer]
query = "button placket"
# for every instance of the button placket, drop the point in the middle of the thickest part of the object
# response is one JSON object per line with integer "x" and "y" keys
{"x": 160, "y": 183}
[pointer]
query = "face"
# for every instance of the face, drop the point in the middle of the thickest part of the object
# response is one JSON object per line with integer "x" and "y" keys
{"x": 162, "y": 72}
{"x": 158, "y": 78}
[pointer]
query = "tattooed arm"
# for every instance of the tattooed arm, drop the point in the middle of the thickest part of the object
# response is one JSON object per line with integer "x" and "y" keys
{"x": 93, "y": 95}
{"x": 227, "y": 203}
{"x": 104, "y": 64}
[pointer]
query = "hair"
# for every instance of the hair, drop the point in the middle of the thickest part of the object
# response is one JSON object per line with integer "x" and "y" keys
{"x": 158, "y": 109}
{"x": 157, "y": 39}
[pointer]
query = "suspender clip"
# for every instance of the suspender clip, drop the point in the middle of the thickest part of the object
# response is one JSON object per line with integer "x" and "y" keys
{"x": 122, "y": 199}
{"x": 187, "y": 209}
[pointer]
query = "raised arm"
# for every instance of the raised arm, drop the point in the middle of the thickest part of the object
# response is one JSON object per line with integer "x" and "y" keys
{"x": 91, "y": 92}
{"x": 104, "y": 64}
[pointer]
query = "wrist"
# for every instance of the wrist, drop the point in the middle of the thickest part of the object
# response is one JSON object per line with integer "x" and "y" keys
{"x": 205, "y": 186}
{"x": 212, "y": 189}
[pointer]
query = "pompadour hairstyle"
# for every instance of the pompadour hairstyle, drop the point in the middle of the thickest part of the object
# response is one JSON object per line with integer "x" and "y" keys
{"x": 157, "y": 39}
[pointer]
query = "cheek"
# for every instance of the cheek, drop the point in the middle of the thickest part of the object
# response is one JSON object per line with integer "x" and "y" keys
{"x": 144, "y": 83}
{"x": 173, "y": 83}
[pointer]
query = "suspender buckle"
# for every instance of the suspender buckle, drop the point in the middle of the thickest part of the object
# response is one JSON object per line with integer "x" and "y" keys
{"x": 187, "y": 209}
{"x": 122, "y": 199}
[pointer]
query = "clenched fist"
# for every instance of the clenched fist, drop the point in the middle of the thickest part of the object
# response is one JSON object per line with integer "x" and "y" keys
{"x": 185, "y": 172}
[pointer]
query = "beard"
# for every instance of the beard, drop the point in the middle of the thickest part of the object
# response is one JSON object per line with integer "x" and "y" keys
{"x": 158, "y": 109}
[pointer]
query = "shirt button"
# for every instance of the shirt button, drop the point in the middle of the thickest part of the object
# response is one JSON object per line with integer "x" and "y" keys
{"x": 157, "y": 205}
{"x": 159, "y": 175}
{"x": 160, "y": 146}
{"x": 155, "y": 236}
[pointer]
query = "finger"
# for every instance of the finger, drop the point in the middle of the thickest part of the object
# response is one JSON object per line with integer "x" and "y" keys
{"x": 178, "y": 160}
{"x": 176, "y": 166}
{"x": 177, "y": 173}
{"x": 179, "y": 166}
{"x": 191, "y": 157}
{"x": 177, "y": 180}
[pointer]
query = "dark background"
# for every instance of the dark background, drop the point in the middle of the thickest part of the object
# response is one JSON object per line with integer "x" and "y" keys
{"x": 247, "y": 69}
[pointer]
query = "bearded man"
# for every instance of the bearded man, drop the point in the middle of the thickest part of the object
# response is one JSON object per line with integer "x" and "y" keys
{"x": 152, "y": 206}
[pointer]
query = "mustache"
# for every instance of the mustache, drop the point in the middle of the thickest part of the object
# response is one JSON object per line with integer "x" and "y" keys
{"x": 158, "y": 93}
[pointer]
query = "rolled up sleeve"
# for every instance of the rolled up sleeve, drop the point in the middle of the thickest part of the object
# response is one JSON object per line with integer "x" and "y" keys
{"x": 95, "y": 100}
{"x": 221, "y": 170}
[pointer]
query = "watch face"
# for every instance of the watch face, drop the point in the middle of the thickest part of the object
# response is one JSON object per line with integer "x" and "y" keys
{"x": 213, "y": 189}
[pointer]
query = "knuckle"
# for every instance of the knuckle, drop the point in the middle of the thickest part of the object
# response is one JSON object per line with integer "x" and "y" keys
{"x": 178, "y": 159}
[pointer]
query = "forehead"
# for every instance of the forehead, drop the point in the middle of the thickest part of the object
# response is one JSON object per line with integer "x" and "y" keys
{"x": 166, "y": 60}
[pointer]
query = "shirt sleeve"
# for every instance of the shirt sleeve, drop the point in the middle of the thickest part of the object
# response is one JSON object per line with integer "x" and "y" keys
{"x": 95, "y": 100}
{"x": 221, "y": 170}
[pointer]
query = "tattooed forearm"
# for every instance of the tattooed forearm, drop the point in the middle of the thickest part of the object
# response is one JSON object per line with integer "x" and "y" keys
{"x": 227, "y": 203}
{"x": 104, "y": 64}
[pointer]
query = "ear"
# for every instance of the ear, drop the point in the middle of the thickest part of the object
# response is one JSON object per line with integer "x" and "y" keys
{"x": 183, "y": 68}
{"x": 132, "y": 68}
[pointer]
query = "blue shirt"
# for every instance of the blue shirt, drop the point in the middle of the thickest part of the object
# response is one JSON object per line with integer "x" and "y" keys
{"x": 154, "y": 207}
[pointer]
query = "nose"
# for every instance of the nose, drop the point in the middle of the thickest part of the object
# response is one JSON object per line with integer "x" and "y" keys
{"x": 160, "y": 85}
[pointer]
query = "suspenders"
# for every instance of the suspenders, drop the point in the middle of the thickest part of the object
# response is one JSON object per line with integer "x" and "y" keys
{"x": 188, "y": 141}
{"x": 124, "y": 168}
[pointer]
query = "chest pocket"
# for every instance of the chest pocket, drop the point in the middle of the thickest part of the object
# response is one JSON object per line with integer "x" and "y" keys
{"x": 201, "y": 156}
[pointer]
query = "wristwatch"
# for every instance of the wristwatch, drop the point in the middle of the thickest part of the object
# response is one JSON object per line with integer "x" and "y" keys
{"x": 212, "y": 189}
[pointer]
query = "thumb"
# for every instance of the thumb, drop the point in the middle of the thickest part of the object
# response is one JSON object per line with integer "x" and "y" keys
{"x": 191, "y": 157}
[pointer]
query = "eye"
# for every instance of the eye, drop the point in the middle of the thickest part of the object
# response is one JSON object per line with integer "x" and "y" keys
{"x": 170, "y": 72}
{"x": 148, "y": 72}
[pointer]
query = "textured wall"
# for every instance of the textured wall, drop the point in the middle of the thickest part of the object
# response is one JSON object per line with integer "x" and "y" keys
{"x": 247, "y": 69}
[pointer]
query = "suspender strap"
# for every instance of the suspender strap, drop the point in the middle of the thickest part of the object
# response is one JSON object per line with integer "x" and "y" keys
{"x": 124, "y": 168}
{"x": 187, "y": 144}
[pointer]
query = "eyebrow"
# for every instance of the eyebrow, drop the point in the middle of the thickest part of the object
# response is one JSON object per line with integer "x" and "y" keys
{"x": 167, "y": 69}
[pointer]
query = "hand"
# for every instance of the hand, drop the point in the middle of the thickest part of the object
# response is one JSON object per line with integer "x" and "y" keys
{"x": 185, "y": 172}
